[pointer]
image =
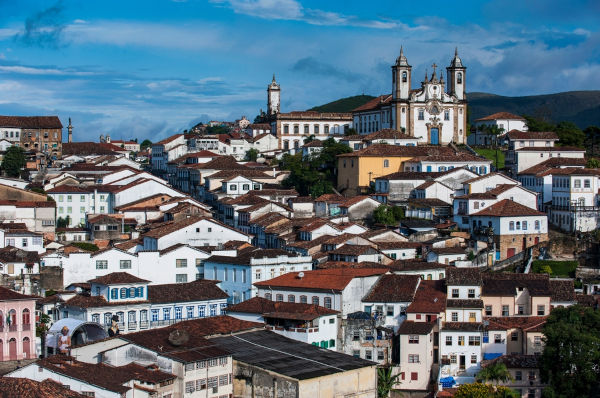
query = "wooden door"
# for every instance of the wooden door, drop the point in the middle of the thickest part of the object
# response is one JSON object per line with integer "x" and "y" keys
{"x": 12, "y": 349}
{"x": 510, "y": 252}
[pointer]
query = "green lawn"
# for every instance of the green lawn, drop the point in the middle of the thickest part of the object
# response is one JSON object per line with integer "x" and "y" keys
{"x": 491, "y": 155}
{"x": 564, "y": 269}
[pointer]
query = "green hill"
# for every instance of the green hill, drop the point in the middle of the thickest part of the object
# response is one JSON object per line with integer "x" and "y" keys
{"x": 580, "y": 107}
{"x": 344, "y": 104}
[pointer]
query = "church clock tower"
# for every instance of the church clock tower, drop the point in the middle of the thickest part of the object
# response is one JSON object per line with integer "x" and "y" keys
{"x": 401, "y": 77}
{"x": 274, "y": 97}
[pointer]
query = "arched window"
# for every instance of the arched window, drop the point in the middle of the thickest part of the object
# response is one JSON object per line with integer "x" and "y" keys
{"x": 386, "y": 163}
{"x": 303, "y": 299}
{"x": 96, "y": 318}
{"x": 327, "y": 302}
{"x": 279, "y": 297}
{"x": 26, "y": 318}
{"x": 12, "y": 320}
{"x": 124, "y": 292}
{"x": 114, "y": 293}
{"x": 404, "y": 77}
{"x": 518, "y": 224}
{"x": 459, "y": 78}
{"x": 315, "y": 300}
{"x": 121, "y": 316}
{"x": 291, "y": 298}
{"x": 296, "y": 144}
{"x": 268, "y": 296}
{"x": 107, "y": 318}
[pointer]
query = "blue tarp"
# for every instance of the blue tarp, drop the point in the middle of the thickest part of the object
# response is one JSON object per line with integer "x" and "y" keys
{"x": 491, "y": 355}
{"x": 447, "y": 382}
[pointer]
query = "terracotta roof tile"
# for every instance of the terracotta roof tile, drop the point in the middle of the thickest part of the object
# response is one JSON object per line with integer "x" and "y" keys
{"x": 518, "y": 361}
{"x": 501, "y": 115}
{"x": 374, "y": 103}
{"x": 526, "y": 323}
{"x": 411, "y": 327}
{"x": 117, "y": 278}
{"x": 392, "y": 288}
{"x": 7, "y": 295}
{"x": 184, "y": 292}
{"x": 17, "y": 387}
{"x": 31, "y": 122}
{"x": 430, "y": 298}
{"x": 388, "y": 134}
{"x": 324, "y": 279}
{"x": 552, "y": 163}
{"x": 275, "y": 309}
{"x": 378, "y": 150}
{"x": 508, "y": 208}
{"x": 532, "y": 135}
{"x": 562, "y": 290}
{"x": 464, "y": 277}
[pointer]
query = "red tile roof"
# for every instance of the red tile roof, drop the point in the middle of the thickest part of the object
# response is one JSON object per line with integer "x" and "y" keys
{"x": 392, "y": 288}
{"x": 117, "y": 278}
{"x": 184, "y": 292}
{"x": 508, "y": 208}
{"x": 557, "y": 149}
{"x": 378, "y": 150}
{"x": 532, "y": 135}
{"x": 375, "y": 103}
{"x": 501, "y": 115}
{"x": 8, "y": 295}
{"x": 388, "y": 134}
{"x": 430, "y": 298}
{"x": 31, "y": 122}
{"x": 553, "y": 162}
{"x": 526, "y": 323}
{"x": 24, "y": 204}
{"x": 276, "y": 309}
{"x": 325, "y": 279}
{"x": 17, "y": 387}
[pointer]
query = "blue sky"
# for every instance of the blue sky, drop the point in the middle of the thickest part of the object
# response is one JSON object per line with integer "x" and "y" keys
{"x": 148, "y": 69}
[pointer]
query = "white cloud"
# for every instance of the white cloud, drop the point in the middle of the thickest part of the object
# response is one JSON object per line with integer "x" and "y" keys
{"x": 28, "y": 70}
{"x": 293, "y": 10}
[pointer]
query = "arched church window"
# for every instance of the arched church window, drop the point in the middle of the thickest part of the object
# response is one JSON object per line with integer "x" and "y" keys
{"x": 446, "y": 115}
{"x": 404, "y": 77}
{"x": 421, "y": 114}
{"x": 459, "y": 78}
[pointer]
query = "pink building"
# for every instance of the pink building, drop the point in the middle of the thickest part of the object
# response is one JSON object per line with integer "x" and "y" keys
{"x": 17, "y": 325}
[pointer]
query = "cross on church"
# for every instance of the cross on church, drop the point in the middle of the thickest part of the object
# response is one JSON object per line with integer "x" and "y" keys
{"x": 434, "y": 66}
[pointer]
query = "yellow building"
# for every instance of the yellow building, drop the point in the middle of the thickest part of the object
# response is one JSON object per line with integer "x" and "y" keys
{"x": 358, "y": 169}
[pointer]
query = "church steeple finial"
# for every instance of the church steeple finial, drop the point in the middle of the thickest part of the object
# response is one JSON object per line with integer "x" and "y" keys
{"x": 401, "y": 60}
{"x": 273, "y": 81}
{"x": 456, "y": 51}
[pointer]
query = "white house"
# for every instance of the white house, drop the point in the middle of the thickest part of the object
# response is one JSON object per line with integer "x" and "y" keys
{"x": 340, "y": 289}
{"x": 505, "y": 121}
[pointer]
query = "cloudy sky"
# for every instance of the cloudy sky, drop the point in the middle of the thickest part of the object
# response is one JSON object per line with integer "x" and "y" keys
{"x": 150, "y": 68}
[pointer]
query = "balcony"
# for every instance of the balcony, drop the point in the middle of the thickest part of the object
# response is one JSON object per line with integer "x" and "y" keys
{"x": 12, "y": 328}
{"x": 143, "y": 324}
{"x": 132, "y": 326}
{"x": 26, "y": 327}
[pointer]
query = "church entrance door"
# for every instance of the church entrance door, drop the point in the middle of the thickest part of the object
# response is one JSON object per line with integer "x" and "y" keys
{"x": 435, "y": 136}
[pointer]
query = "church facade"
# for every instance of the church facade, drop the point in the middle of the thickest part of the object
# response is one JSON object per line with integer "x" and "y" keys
{"x": 435, "y": 113}
{"x": 292, "y": 128}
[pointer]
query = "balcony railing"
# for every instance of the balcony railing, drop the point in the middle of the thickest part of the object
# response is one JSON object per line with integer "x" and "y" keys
{"x": 143, "y": 324}
{"x": 26, "y": 327}
{"x": 131, "y": 325}
{"x": 12, "y": 328}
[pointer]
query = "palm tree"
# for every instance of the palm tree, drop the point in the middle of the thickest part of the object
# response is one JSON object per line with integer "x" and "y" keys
{"x": 495, "y": 372}
{"x": 385, "y": 381}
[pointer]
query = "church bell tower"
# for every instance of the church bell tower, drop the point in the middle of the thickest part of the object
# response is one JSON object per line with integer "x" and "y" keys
{"x": 456, "y": 77}
{"x": 273, "y": 97}
{"x": 401, "y": 78}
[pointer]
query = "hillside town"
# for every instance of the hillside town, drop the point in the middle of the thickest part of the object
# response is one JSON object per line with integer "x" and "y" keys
{"x": 299, "y": 254}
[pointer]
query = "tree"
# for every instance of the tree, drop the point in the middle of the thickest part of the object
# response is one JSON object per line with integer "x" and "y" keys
{"x": 388, "y": 215}
{"x": 495, "y": 372}
{"x": 385, "y": 381}
{"x": 14, "y": 161}
{"x": 569, "y": 134}
{"x": 545, "y": 269}
{"x": 315, "y": 175}
{"x": 350, "y": 131}
{"x": 145, "y": 144}
{"x": 592, "y": 134}
{"x": 593, "y": 163}
{"x": 571, "y": 354}
{"x": 479, "y": 390}
{"x": 494, "y": 131}
{"x": 62, "y": 222}
{"x": 251, "y": 155}
{"x": 534, "y": 124}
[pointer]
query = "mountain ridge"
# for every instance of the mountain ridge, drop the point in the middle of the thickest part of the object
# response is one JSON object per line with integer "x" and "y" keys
{"x": 580, "y": 107}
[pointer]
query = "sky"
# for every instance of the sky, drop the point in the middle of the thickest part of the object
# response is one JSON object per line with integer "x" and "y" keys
{"x": 152, "y": 68}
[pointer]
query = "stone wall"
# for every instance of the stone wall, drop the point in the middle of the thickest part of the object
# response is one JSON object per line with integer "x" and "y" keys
{"x": 253, "y": 382}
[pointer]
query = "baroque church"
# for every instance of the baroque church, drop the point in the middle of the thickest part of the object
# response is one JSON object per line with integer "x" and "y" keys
{"x": 435, "y": 113}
